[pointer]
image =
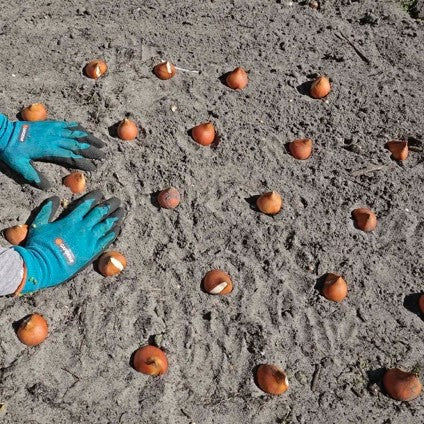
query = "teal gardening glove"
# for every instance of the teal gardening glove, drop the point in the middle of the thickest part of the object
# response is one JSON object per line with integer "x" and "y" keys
{"x": 55, "y": 251}
{"x": 64, "y": 143}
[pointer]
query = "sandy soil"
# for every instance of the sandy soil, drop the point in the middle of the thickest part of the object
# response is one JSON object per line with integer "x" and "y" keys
{"x": 334, "y": 354}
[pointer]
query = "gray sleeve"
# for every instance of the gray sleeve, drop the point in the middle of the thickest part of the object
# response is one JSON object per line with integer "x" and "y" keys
{"x": 11, "y": 271}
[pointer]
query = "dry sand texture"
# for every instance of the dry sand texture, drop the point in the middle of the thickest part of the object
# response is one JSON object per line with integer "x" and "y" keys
{"x": 373, "y": 52}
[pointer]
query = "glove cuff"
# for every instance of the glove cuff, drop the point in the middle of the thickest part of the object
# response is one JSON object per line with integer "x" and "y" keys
{"x": 31, "y": 282}
{"x": 6, "y": 131}
{"x": 22, "y": 284}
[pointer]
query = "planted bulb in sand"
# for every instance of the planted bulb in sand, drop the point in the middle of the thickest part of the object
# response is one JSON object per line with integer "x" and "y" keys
{"x": 95, "y": 69}
{"x": 401, "y": 385}
{"x": 34, "y": 112}
{"x": 75, "y": 181}
{"x": 334, "y": 287}
{"x": 164, "y": 70}
{"x": 270, "y": 203}
{"x": 127, "y": 130}
{"x": 112, "y": 263}
{"x": 398, "y": 149}
{"x": 217, "y": 281}
{"x": 301, "y": 148}
{"x": 204, "y": 133}
{"x": 320, "y": 87}
{"x": 365, "y": 219}
{"x": 237, "y": 79}
{"x": 272, "y": 379}
{"x": 32, "y": 330}
{"x": 150, "y": 360}
{"x": 17, "y": 234}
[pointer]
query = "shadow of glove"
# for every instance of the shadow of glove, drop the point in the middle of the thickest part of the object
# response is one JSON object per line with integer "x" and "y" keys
{"x": 57, "y": 250}
{"x": 64, "y": 143}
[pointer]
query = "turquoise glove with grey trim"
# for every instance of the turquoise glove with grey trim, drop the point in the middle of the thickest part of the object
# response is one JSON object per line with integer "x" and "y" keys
{"x": 56, "y": 250}
{"x": 64, "y": 143}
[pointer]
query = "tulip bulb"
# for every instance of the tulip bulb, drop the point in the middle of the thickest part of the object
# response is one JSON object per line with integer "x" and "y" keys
{"x": 17, "y": 234}
{"x": 237, "y": 79}
{"x": 169, "y": 198}
{"x": 270, "y": 203}
{"x": 271, "y": 379}
{"x": 75, "y": 181}
{"x": 301, "y": 148}
{"x": 164, "y": 70}
{"x": 217, "y": 281}
{"x": 32, "y": 330}
{"x": 320, "y": 87}
{"x": 112, "y": 263}
{"x": 421, "y": 303}
{"x": 150, "y": 360}
{"x": 398, "y": 149}
{"x": 204, "y": 133}
{"x": 34, "y": 112}
{"x": 334, "y": 288}
{"x": 365, "y": 219}
{"x": 401, "y": 385}
{"x": 95, "y": 69}
{"x": 127, "y": 130}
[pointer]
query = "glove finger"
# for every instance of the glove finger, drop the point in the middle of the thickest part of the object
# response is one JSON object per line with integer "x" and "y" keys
{"x": 103, "y": 227}
{"x": 69, "y": 162}
{"x": 101, "y": 211}
{"x": 63, "y": 124}
{"x": 106, "y": 241}
{"x": 83, "y": 149}
{"x": 71, "y": 133}
{"x": 46, "y": 212}
{"x": 25, "y": 168}
{"x": 89, "y": 138}
{"x": 78, "y": 209}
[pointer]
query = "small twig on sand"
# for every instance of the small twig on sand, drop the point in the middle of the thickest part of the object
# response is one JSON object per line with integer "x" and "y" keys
{"x": 73, "y": 375}
{"x": 186, "y": 70}
{"x": 315, "y": 377}
{"x": 358, "y": 52}
{"x": 370, "y": 168}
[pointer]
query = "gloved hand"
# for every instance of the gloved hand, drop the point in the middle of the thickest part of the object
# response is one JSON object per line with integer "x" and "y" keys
{"x": 55, "y": 251}
{"x": 64, "y": 143}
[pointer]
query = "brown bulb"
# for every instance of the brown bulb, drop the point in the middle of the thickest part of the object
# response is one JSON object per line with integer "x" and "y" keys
{"x": 164, "y": 70}
{"x": 237, "y": 79}
{"x": 34, "y": 112}
{"x": 169, "y": 198}
{"x": 150, "y": 360}
{"x": 270, "y": 203}
{"x": 421, "y": 303}
{"x": 320, "y": 87}
{"x": 111, "y": 263}
{"x": 365, "y": 219}
{"x": 271, "y": 379}
{"x": 127, "y": 130}
{"x": 401, "y": 385}
{"x": 398, "y": 149}
{"x": 217, "y": 281}
{"x": 203, "y": 134}
{"x": 75, "y": 181}
{"x": 32, "y": 330}
{"x": 17, "y": 234}
{"x": 95, "y": 69}
{"x": 334, "y": 287}
{"x": 301, "y": 148}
